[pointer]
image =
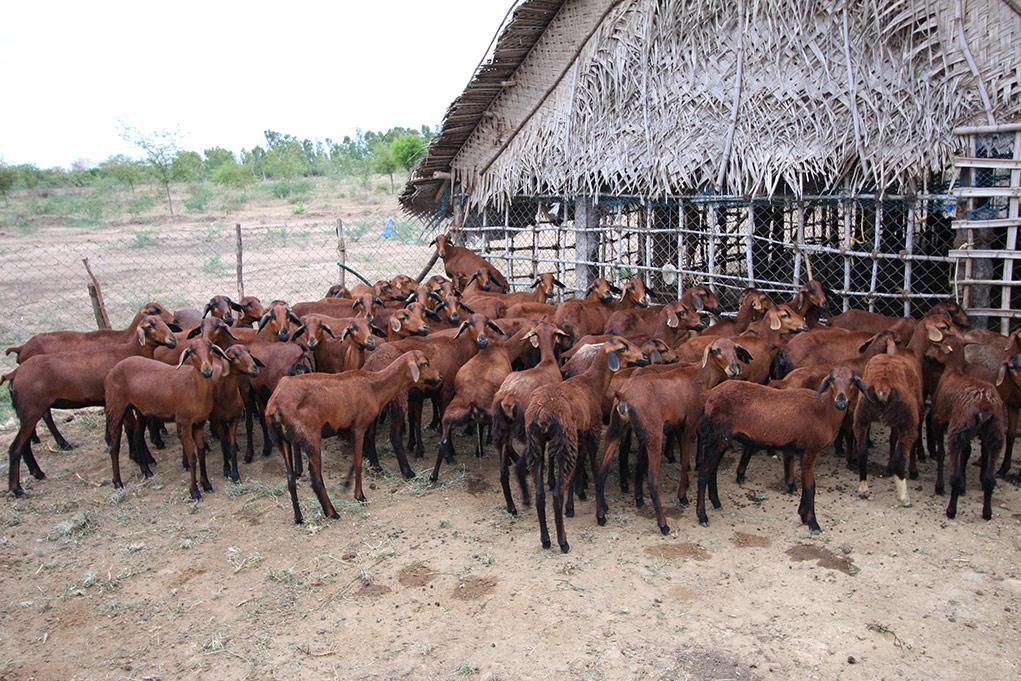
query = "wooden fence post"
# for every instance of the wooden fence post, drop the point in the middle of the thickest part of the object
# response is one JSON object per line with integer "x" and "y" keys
{"x": 96, "y": 294}
{"x": 240, "y": 269}
{"x": 586, "y": 242}
{"x": 341, "y": 251}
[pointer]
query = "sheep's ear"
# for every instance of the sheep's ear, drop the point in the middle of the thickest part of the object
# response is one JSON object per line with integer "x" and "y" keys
{"x": 825, "y": 385}
{"x": 431, "y": 315}
{"x": 859, "y": 384}
{"x": 671, "y": 318}
{"x": 235, "y": 306}
{"x": 207, "y": 309}
{"x": 705, "y": 355}
{"x": 297, "y": 332}
{"x": 613, "y": 361}
{"x": 433, "y": 242}
{"x": 217, "y": 350}
{"x": 743, "y": 354}
{"x": 698, "y": 302}
{"x": 558, "y": 283}
{"x": 194, "y": 332}
{"x": 226, "y": 330}
{"x": 345, "y": 333}
{"x": 415, "y": 373}
{"x": 1002, "y": 374}
{"x": 141, "y": 336}
{"x": 395, "y": 324}
{"x": 412, "y": 297}
{"x": 491, "y": 324}
{"x": 533, "y": 339}
{"x": 536, "y": 284}
{"x": 184, "y": 356}
{"x": 774, "y": 322}
{"x": 865, "y": 346}
{"x": 465, "y": 308}
{"x": 656, "y": 357}
{"x": 460, "y": 330}
{"x": 263, "y": 319}
{"x": 328, "y": 330}
{"x": 258, "y": 362}
{"x": 934, "y": 334}
{"x": 174, "y": 326}
{"x": 376, "y": 331}
{"x": 357, "y": 303}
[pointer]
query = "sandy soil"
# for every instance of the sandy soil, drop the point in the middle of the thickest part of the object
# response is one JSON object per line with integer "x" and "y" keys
{"x": 438, "y": 582}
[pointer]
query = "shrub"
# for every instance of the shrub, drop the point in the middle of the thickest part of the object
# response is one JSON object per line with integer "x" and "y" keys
{"x": 143, "y": 238}
{"x": 140, "y": 203}
{"x": 197, "y": 198}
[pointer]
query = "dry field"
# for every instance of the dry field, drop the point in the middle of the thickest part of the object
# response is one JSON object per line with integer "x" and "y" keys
{"x": 437, "y": 581}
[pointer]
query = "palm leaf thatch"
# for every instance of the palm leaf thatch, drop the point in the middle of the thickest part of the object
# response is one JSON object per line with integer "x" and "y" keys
{"x": 740, "y": 97}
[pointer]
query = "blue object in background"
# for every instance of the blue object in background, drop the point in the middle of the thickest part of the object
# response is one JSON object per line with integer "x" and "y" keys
{"x": 390, "y": 228}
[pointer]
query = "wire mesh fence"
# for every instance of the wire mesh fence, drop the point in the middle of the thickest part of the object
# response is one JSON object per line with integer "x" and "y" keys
{"x": 43, "y": 285}
{"x": 886, "y": 254}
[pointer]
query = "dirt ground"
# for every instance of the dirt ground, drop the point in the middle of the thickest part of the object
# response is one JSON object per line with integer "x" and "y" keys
{"x": 439, "y": 582}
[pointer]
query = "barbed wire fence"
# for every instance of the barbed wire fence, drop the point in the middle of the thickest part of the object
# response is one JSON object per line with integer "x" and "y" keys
{"x": 43, "y": 283}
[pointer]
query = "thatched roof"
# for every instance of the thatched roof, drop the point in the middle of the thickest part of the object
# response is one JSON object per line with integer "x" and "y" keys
{"x": 744, "y": 97}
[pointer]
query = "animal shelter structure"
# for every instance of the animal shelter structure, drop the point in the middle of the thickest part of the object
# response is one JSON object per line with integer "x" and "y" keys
{"x": 873, "y": 145}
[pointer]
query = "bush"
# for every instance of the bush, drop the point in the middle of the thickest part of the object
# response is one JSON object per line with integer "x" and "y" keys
{"x": 140, "y": 203}
{"x": 197, "y": 198}
{"x": 143, "y": 239}
{"x": 289, "y": 189}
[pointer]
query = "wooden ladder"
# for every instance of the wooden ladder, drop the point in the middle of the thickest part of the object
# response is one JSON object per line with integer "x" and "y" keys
{"x": 977, "y": 232}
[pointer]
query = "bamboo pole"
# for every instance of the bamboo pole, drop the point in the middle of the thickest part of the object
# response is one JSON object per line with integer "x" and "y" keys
{"x": 96, "y": 295}
{"x": 711, "y": 255}
{"x": 240, "y": 260}
{"x": 682, "y": 222}
{"x": 749, "y": 234}
{"x": 799, "y": 241}
{"x": 909, "y": 249}
{"x": 877, "y": 240}
{"x": 848, "y": 226}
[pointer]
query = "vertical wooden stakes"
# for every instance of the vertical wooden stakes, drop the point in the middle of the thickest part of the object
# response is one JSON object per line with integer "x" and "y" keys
{"x": 341, "y": 252}
{"x": 240, "y": 261}
{"x": 96, "y": 295}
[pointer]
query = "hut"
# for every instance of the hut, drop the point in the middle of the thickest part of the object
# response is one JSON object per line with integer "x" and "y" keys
{"x": 874, "y": 145}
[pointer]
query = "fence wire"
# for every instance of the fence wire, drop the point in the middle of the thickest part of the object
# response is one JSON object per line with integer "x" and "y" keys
{"x": 888, "y": 255}
{"x": 43, "y": 285}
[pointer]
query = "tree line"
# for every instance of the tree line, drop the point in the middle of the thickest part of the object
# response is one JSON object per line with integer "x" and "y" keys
{"x": 162, "y": 161}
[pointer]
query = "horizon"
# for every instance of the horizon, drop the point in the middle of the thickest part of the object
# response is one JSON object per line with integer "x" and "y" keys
{"x": 76, "y": 112}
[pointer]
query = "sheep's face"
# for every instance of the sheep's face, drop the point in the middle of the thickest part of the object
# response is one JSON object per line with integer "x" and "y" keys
{"x": 243, "y": 362}
{"x": 634, "y": 290}
{"x": 620, "y": 352}
{"x": 727, "y": 356}
{"x": 601, "y": 290}
{"x": 705, "y": 299}
{"x": 679, "y": 315}
{"x": 281, "y": 321}
{"x": 153, "y": 330}
{"x": 784, "y": 319}
{"x": 659, "y": 352}
{"x": 843, "y": 385}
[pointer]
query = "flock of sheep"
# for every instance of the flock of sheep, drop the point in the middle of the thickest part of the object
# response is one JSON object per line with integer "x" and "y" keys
{"x": 516, "y": 369}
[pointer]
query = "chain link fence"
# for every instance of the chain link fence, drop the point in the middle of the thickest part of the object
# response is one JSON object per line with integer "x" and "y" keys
{"x": 886, "y": 254}
{"x": 43, "y": 284}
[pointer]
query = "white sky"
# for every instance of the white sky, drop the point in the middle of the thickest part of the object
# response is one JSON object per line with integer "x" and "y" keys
{"x": 225, "y": 71}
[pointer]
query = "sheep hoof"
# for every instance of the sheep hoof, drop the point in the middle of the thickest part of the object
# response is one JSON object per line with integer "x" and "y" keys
{"x": 863, "y": 488}
{"x": 298, "y": 520}
{"x": 117, "y": 484}
{"x": 565, "y": 548}
{"x": 740, "y": 479}
{"x": 683, "y": 501}
{"x": 248, "y": 458}
{"x": 951, "y": 514}
{"x": 704, "y": 523}
{"x": 333, "y": 515}
{"x": 815, "y": 530}
{"x": 913, "y": 475}
{"x": 19, "y": 491}
{"x": 792, "y": 488}
{"x": 546, "y": 543}
{"x": 987, "y": 515}
{"x": 360, "y": 498}
{"x": 582, "y": 495}
{"x": 38, "y": 474}
{"x": 569, "y": 512}
{"x": 66, "y": 446}
{"x": 513, "y": 511}
{"x": 408, "y": 474}
{"x": 196, "y": 495}
{"x": 235, "y": 478}
{"x": 639, "y": 502}
{"x": 207, "y": 487}
{"x": 664, "y": 529}
{"x": 601, "y": 521}
{"x": 939, "y": 490}
{"x": 434, "y": 477}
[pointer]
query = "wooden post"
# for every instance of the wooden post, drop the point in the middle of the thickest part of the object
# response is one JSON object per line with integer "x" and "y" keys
{"x": 909, "y": 248}
{"x": 848, "y": 226}
{"x": 877, "y": 240}
{"x": 96, "y": 294}
{"x": 240, "y": 260}
{"x": 586, "y": 242}
{"x": 1013, "y": 213}
{"x": 682, "y": 225}
{"x": 711, "y": 257}
{"x": 750, "y": 233}
{"x": 799, "y": 241}
{"x": 341, "y": 252}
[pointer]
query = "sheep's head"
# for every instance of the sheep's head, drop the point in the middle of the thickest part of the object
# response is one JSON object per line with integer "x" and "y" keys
{"x": 200, "y": 353}
{"x": 366, "y": 305}
{"x": 546, "y": 282}
{"x": 476, "y": 326}
{"x": 411, "y": 320}
{"x": 421, "y": 371}
{"x": 1010, "y": 370}
{"x": 543, "y": 334}
{"x": 482, "y": 279}
{"x": 450, "y": 306}
{"x": 316, "y": 329}
{"x": 602, "y": 290}
{"x": 727, "y": 356}
{"x": 152, "y": 330}
{"x": 280, "y": 319}
{"x": 243, "y": 362}
{"x": 635, "y": 291}
{"x": 842, "y": 384}
{"x": 620, "y": 353}
{"x": 222, "y": 307}
{"x": 659, "y": 352}
{"x": 784, "y": 319}
{"x": 682, "y": 315}
{"x": 251, "y": 310}
{"x": 810, "y": 295}
{"x": 212, "y": 329}
{"x": 441, "y": 242}
{"x": 402, "y": 286}
{"x": 954, "y": 311}
{"x": 362, "y": 333}
{"x": 155, "y": 309}
{"x": 338, "y": 291}
{"x": 704, "y": 299}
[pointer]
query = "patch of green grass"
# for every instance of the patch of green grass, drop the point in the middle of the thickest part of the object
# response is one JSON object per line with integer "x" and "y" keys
{"x": 298, "y": 209}
{"x": 277, "y": 236}
{"x": 6, "y": 408}
{"x": 360, "y": 229}
{"x": 255, "y": 488}
{"x": 214, "y": 265}
{"x": 114, "y": 607}
{"x": 285, "y": 577}
{"x": 197, "y": 197}
{"x": 212, "y": 234}
{"x": 143, "y": 239}
{"x": 467, "y": 670}
{"x": 141, "y": 202}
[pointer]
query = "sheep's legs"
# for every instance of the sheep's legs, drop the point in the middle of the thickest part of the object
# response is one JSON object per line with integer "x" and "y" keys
{"x": 567, "y": 460}
{"x": 609, "y": 449}
{"x": 625, "y": 449}
{"x": 653, "y": 456}
{"x": 52, "y": 427}
{"x": 806, "y": 509}
{"x": 538, "y": 457}
{"x": 685, "y": 441}
{"x": 199, "y": 437}
{"x": 315, "y": 476}
{"x": 292, "y": 485}
{"x": 1011, "y": 434}
{"x": 184, "y": 431}
{"x": 453, "y": 417}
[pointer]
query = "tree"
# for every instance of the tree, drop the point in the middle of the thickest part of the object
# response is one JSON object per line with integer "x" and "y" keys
{"x": 122, "y": 169}
{"x": 407, "y": 149}
{"x": 7, "y": 177}
{"x": 188, "y": 166}
{"x": 160, "y": 149}
{"x": 217, "y": 156}
{"x": 232, "y": 174}
{"x": 383, "y": 161}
